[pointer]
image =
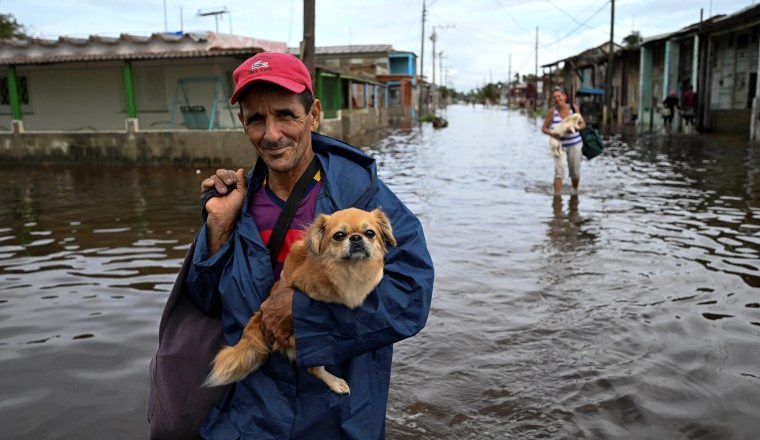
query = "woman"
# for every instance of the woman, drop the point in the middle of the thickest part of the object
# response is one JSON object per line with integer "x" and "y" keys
{"x": 572, "y": 143}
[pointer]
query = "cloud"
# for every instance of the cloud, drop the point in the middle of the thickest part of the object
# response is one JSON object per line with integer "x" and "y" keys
{"x": 478, "y": 46}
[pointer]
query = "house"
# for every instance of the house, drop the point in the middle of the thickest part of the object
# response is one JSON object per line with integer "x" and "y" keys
{"x": 583, "y": 77}
{"x": 395, "y": 69}
{"x": 730, "y": 73}
{"x": 719, "y": 58}
{"x": 352, "y": 103}
{"x": 669, "y": 64}
{"x": 161, "y": 81}
{"x": 150, "y": 98}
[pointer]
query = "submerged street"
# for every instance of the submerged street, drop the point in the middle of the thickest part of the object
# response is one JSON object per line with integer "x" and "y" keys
{"x": 632, "y": 310}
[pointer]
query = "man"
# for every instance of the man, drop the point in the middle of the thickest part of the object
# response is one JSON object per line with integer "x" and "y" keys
{"x": 572, "y": 143}
{"x": 231, "y": 271}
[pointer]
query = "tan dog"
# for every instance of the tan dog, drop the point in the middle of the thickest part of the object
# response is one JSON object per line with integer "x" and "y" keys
{"x": 339, "y": 260}
{"x": 570, "y": 124}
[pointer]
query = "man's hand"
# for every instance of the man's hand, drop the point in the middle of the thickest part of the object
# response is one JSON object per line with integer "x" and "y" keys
{"x": 277, "y": 315}
{"x": 223, "y": 211}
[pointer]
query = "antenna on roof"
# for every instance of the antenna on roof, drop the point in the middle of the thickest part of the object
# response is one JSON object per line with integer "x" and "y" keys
{"x": 166, "y": 25}
{"x": 216, "y": 12}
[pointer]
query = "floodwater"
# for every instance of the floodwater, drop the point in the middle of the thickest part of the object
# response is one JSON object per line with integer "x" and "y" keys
{"x": 630, "y": 311}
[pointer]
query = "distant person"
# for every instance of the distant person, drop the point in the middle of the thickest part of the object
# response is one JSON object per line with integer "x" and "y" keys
{"x": 689, "y": 108}
{"x": 669, "y": 106}
{"x": 572, "y": 143}
{"x": 230, "y": 270}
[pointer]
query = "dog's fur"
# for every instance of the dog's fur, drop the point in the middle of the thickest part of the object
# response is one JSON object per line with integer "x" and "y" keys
{"x": 339, "y": 260}
{"x": 570, "y": 124}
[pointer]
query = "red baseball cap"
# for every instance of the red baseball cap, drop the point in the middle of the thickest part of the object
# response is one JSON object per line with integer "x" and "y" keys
{"x": 282, "y": 69}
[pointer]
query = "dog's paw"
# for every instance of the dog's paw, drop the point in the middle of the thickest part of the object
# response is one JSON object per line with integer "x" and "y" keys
{"x": 339, "y": 386}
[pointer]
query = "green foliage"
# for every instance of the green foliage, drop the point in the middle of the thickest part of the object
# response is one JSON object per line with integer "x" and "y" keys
{"x": 427, "y": 118}
{"x": 489, "y": 93}
{"x": 633, "y": 39}
{"x": 10, "y": 28}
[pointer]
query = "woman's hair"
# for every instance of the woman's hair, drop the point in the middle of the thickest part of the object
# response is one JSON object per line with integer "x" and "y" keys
{"x": 558, "y": 89}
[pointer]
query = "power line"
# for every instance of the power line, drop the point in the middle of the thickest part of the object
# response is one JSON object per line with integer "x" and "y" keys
{"x": 586, "y": 21}
{"x": 567, "y": 13}
{"x": 510, "y": 16}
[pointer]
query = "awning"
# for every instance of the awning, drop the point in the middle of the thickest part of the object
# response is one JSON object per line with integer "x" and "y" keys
{"x": 589, "y": 91}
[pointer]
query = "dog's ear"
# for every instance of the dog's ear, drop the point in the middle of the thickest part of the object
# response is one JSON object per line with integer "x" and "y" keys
{"x": 385, "y": 227}
{"x": 315, "y": 233}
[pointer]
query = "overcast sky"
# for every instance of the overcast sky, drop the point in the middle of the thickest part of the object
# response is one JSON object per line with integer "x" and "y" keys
{"x": 476, "y": 36}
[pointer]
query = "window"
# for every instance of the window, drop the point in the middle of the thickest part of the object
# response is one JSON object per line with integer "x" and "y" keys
{"x": 742, "y": 41}
{"x": 23, "y": 90}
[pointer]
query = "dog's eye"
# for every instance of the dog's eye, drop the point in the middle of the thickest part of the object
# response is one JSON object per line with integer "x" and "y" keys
{"x": 369, "y": 233}
{"x": 339, "y": 236}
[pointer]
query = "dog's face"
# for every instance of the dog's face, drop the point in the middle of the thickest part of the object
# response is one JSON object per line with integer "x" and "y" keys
{"x": 350, "y": 235}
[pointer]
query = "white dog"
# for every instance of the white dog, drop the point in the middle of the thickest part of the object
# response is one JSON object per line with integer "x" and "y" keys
{"x": 570, "y": 124}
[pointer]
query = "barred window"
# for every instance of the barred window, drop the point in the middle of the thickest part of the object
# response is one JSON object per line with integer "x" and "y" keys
{"x": 23, "y": 90}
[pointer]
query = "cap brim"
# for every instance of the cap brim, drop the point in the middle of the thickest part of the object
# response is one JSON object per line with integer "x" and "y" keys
{"x": 291, "y": 85}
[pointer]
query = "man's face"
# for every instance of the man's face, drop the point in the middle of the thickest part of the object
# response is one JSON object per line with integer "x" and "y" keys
{"x": 559, "y": 98}
{"x": 278, "y": 127}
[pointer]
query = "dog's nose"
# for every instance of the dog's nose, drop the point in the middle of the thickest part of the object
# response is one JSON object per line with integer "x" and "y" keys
{"x": 355, "y": 238}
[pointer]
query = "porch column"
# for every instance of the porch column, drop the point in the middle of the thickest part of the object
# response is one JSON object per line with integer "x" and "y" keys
{"x": 644, "y": 118}
{"x": 754, "y": 124}
{"x": 666, "y": 70}
{"x": 340, "y": 96}
{"x": 17, "y": 123}
{"x": 319, "y": 86}
{"x": 129, "y": 98}
{"x": 695, "y": 63}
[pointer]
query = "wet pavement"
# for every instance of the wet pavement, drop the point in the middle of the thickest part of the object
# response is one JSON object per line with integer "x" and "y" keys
{"x": 630, "y": 311}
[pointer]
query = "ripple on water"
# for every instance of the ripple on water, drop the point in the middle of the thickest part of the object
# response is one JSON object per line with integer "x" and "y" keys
{"x": 631, "y": 310}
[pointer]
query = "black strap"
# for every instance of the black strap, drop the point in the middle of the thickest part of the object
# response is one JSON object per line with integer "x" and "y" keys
{"x": 289, "y": 210}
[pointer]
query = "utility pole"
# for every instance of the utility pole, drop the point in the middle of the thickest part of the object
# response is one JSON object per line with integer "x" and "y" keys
{"x": 420, "y": 83}
{"x": 308, "y": 37}
{"x": 509, "y": 82}
{"x": 535, "y": 88}
{"x": 610, "y": 61}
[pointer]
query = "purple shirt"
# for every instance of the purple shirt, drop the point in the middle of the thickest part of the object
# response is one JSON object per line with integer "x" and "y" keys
{"x": 265, "y": 207}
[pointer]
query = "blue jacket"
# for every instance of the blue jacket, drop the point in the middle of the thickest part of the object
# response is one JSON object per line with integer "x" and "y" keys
{"x": 281, "y": 400}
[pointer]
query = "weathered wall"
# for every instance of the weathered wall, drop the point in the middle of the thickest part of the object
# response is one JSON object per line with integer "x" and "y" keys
{"x": 730, "y": 121}
{"x": 228, "y": 147}
{"x": 84, "y": 96}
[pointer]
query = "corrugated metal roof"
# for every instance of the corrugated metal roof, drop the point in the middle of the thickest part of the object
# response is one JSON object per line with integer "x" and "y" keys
{"x": 594, "y": 52}
{"x": 131, "y": 47}
{"x": 354, "y": 49}
{"x": 350, "y": 49}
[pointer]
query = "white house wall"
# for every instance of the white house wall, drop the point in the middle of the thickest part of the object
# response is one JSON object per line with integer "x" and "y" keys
{"x": 154, "y": 103}
{"x": 74, "y": 97}
{"x": 90, "y": 96}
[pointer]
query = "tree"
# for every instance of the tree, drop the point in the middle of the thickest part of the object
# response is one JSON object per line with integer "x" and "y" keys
{"x": 10, "y": 28}
{"x": 633, "y": 39}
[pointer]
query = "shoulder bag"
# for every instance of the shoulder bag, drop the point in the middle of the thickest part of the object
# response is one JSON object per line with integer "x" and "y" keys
{"x": 592, "y": 142}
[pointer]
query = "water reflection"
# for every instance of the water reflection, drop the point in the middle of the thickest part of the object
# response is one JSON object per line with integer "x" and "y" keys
{"x": 567, "y": 230}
